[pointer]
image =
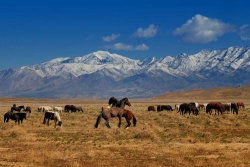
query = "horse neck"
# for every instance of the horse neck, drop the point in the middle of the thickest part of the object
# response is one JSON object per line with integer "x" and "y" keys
{"x": 121, "y": 104}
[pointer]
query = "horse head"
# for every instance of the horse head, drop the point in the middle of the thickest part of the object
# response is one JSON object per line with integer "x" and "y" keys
{"x": 124, "y": 102}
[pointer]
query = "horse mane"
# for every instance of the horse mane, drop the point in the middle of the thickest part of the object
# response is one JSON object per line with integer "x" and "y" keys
{"x": 113, "y": 101}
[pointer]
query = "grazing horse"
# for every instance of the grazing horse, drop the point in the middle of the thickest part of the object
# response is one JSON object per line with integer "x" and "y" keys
{"x": 15, "y": 108}
{"x": 79, "y": 109}
{"x": 240, "y": 105}
{"x": 217, "y": 106}
{"x": 201, "y": 106}
{"x": 60, "y": 109}
{"x": 159, "y": 108}
{"x": 188, "y": 108}
{"x": 167, "y": 107}
{"x": 184, "y": 108}
{"x": 227, "y": 107}
{"x": 52, "y": 115}
{"x": 234, "y": 108}
{"x": 195, "y": 104}
{"x": 17, "y": 117}
{"x": 177, "y": 106}
{"x": 151, "y": 108}
{"x": 113, "y": 112}
{"x": 28, "y": 109}
{"x": 71, "y": 108}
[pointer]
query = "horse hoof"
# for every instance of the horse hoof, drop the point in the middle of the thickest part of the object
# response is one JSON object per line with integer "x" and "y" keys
{"x": 126, "y": 127}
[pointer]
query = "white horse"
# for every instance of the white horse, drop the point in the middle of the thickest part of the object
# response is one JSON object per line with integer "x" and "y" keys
{"x": 177, "y": 106}
{"x": 40, "y": 108}
{"x": 47, "y": 108}
{"x": 52, "y": 115}
{"x": 60, "y": 109}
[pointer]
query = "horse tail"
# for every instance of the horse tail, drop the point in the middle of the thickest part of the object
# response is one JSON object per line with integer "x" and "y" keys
{"x": 98, "y": 120}
{"x": 134, "y": 120}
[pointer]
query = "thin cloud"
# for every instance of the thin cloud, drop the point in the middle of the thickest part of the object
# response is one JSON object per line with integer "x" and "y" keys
{"x": 201, "y": 29}
{"x": 146, "y": 33}
{"x": 111, "y": 37}
{"x": 122, "y": 46}
{"x": 244, "y": 32}
{"x": 141, "y": 47}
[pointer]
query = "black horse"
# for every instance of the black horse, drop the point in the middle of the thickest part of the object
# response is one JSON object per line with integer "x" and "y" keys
{"x": 72, "y": 108}
{"x": 52, "y": 115}
{"x": 117, "y": 111}
{"x": 15, "y": 108}
{"x": 17, "y": 117}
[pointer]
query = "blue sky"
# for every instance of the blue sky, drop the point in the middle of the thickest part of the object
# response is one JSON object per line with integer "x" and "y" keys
{"x": 33, "y": 32}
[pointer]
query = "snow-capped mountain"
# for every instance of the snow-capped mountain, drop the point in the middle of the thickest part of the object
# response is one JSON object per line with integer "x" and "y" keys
{"x": 102, "y": 74}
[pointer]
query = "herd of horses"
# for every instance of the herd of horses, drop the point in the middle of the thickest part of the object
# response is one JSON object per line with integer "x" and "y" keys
{"x": 116, "y": 108}
{"x": 194, "y": 107}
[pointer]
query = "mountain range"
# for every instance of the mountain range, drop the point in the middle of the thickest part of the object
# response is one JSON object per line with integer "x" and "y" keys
{"x": 100, "y": 75}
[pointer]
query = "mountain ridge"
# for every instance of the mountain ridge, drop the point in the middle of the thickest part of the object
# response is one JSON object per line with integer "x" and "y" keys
{"x": 102, "y": 74}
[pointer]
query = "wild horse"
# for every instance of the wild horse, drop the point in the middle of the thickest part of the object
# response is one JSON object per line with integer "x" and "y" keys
{"x": 17, "y": 117}
{"x": 15, "y": 108}
{"x": 52, "y": 115}
{"x": 117, "y": 111}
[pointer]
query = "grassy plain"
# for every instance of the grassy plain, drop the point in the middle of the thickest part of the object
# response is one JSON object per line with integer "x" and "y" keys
{"x": 159, "y": 138}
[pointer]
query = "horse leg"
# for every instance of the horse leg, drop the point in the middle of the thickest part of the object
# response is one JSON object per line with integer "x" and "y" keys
{"x": 98, "y": 120}
{"x": 129, "y": 123}
{"x": 107, "y": 123}
{"x": 120, "y": 121}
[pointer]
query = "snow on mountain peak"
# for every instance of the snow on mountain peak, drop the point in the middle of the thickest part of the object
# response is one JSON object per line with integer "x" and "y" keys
{"x": 117, "y": 66}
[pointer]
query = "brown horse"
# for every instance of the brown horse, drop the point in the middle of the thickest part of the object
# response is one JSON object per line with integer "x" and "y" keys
{"x": 240, "y": 105}
{"x": 151, "y": 108}
{"x": 28, "y": 109}
{"x": 159, "y": 108}
{"x": 200, "y": 106}
{"x": 129, "y": 116}
{"x": 113, "y": 112}
{"x": 217, "y": 106}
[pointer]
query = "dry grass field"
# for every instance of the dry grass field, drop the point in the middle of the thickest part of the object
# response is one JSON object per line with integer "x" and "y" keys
{"x": 159, "y": 138}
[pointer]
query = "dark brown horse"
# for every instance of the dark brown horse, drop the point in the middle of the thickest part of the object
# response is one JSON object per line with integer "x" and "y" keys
{"x": 72, "y": 108}
{"x": 113, "y": 112}
{"x": 167, "y": 107}
{"x": 15, "y": 108}
{"x": 240, "y": 105}
{"x": 217, "y": 106}
{"x": 188, "y": 108}
{"x": 234, "y": 108}
{"x": 151, "y": 108}
{"x": 128, "y": 115}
